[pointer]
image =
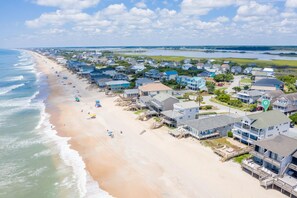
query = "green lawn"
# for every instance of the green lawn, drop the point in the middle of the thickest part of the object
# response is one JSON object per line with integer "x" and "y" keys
{"x": 240, "y": 158}
{"x": 246, "y": 80}
{"x": 245, "y": 107}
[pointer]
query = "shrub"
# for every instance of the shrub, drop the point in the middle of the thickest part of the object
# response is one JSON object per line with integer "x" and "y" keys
{"x": 224, "y": 98}
{"x": 235, "y": 103}
{"x": 230, "y": 134}
{"x": 294, "y": 118}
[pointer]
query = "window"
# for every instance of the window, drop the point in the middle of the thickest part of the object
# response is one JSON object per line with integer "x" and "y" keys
{"x": 271, "y": 128}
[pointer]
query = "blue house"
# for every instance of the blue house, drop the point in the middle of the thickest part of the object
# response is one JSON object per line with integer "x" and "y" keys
{"x": 170, "y": 75}
{"x": 193, "y": 83}
{"x": 117, "y": 85}
{"x": 183, "y": 80}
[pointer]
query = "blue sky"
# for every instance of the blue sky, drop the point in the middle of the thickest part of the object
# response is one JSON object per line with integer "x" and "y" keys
{"x": 49, "y": 23}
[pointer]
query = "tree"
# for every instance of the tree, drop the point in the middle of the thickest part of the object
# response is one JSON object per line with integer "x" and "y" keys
{"x": 229, "y": 77}
{"x": 223, "y": 77}
{"x": 236, "y": 89}
{"x": 210, "y": 87}
{"x": 246, "y": 87}
{"x": 199, "y": 99}
{"x": 219, "y": 78}
{"x": 294, "y": 118}
{"x": 224, "y": 98}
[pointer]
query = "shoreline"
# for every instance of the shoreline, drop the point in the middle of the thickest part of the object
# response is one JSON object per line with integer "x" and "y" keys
{"x": 132, "y": 165}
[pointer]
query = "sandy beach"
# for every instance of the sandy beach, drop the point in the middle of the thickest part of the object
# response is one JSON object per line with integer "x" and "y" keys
{"x": 130, "y": 165}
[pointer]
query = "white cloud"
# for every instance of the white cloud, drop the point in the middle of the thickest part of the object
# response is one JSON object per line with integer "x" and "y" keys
{"x": 254, "y": 11}
{"x": 68, "y": 4}
{"x": 291, "y": 3}
{"x": 117, "y": 21}
{"x": 222, "y": 19}
{"x": 202, "y": 7}
{"x": 58, "y": 18}
{"x": 141, "y": 5}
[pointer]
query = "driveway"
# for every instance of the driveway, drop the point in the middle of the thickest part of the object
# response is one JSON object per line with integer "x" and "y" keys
{"x": 235, "y": 83}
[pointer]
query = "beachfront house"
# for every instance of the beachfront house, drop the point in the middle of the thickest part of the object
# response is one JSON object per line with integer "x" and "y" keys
{"x": 101, "y": 82}
{"x": 117, "y": 85}
{"x": 170, "y": 75}
{"x": 274, "y": 163}
{"x": 251, "y": 128}
{"x": 143, "y": 81}
{"x": 286, "y": 103}
{"x": 249, "y": 96}
{"x": 84, "y": 71}
{"x": 162, "y": 102}
{"x": 182, "y": 111}
{"x": 215, "y": 126}
{"x": 268, "y": 84}
{"x": 130, "y": 93}
{"x": 153, "y": 89}
{"x": 119, "y": 76}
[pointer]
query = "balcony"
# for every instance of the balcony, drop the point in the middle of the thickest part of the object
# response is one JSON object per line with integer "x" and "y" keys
{"x": 265, "y": 158}
{"x": 293, "y": 166}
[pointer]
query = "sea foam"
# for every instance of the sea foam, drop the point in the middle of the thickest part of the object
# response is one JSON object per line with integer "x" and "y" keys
{"x": 5, "y": 90}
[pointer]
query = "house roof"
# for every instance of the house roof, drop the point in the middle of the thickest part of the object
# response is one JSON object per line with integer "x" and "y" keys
{"x": 269, "y": 82}
{"x": 117, "y": 82}
{"x": 274, "y": 93}
{"x": 210, "y": 122}
{"x": 281, "y": 144}
{"x": 171, "y": 114}
{"x": 268, "y": 119}
{"x": 162, "y": 97}
{"x": 144, "y": 80}
{"x": 154, "y": 87}
{"x": 251, "y": 93}
{"x": 187, "y": 105}
{"x": 173, "y": 72}
{"x": 131, "y": 91}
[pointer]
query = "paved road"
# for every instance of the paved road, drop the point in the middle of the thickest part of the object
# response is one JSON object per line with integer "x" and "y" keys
{"x": 235, "y": 83}
{"x": 224, "y": 109}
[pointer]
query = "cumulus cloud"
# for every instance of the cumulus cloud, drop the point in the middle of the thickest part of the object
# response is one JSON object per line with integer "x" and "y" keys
{"x": 68, "y": 4}
{"x": 202, "y": 7}
{"x": 254, "y": 11}
{"x": 120, "y": 21}
{"x": 291, "y": 3}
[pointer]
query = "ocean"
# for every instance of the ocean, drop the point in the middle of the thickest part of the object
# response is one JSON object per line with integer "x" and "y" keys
{"x": 34, "y": 161}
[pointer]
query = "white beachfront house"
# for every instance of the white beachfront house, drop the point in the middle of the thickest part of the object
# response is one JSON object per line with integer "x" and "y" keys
{"x": 251, "y": 128}
{"x": 209, "y": 127}
{"x": 182, "y": 111}
{"x": 274, "y": 162}
{"x": 153, "y": 89}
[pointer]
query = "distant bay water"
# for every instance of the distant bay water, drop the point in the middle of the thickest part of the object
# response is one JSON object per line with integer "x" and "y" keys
{"x": 198, "y": 53}
{"x": 34, "y": 161}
